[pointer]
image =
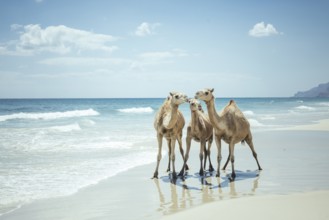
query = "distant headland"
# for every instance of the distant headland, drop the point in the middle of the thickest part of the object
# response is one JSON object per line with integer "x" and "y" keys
{"x": 322, "y": 90}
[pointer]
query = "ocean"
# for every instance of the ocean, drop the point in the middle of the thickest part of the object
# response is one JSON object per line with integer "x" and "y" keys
{"x": 55, "y": 147}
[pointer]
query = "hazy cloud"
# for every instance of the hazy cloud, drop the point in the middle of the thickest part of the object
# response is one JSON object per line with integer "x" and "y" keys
{"x": 145, "y": 29}
{"x": 263, "y": 30}
{"x": 56, "y": 39}
{"x": 160, "y": 55}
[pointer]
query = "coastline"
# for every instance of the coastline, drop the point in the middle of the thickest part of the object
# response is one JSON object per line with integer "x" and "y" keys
{"x": 302, "y": 206}
{"x": 321, "y": 125}
{"x": 134, "y": 195}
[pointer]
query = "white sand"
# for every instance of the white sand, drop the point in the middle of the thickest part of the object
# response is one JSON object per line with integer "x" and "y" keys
{"x": 306, "y": 206}
{"x": 322, "y": 125}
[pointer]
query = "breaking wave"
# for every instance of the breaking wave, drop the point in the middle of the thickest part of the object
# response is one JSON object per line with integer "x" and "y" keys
{"x": 66, "y": 128}
{"x": 49, "y": 115}
{"x": 255, "y": 123}
{"x": 248, "y": 113}
{"x": 304, "y": 107}
{"x": 136, "y": 110}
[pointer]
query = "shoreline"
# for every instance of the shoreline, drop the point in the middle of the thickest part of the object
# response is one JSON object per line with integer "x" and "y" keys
{"x": 301, "y": 206}
{"x": 153, "y": 199}
{"x": 320, "y": 125}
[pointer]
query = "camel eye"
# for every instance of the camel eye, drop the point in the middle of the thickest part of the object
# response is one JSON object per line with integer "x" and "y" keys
{"x": 207, "y": 93}
{"x": 177, "y": 96}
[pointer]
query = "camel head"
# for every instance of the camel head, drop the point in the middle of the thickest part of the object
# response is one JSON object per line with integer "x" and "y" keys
{"x": 194, "y": 105}
{"x": 178, "y": 98}
{"x": 205, "y": 95}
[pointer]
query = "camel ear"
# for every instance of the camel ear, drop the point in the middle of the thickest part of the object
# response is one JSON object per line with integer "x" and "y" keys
{"x": 171, "y": 94}
{"x": 212, "y": 90}
{"x": 189, "y": 100}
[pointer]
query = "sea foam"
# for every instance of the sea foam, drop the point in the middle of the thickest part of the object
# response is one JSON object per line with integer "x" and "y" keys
{"x": 255, "y": 123}
{"x": 66, "y": 128}
{"x": 136, "y": 110}
{"x": 304, "y": 107}
{"x": 248, "y": 113}
{"x": 49, "y": 115}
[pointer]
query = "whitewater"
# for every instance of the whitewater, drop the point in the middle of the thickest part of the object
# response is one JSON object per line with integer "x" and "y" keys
{"x": 55, "y": 147}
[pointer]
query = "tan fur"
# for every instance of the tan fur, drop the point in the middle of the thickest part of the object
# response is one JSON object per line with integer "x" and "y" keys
{"x": 169, "y": 123}
{"x": 230, "y": 125}
{"x": 200, "y": 130}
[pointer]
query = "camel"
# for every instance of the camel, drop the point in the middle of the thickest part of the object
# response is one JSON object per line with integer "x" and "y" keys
{"x": 229, "y": 125}
{"x": 169, "y": 123}
{"x": 200, "y": 130}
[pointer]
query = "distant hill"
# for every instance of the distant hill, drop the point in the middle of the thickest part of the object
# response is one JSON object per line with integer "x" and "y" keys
{"x": 321, "y": 90}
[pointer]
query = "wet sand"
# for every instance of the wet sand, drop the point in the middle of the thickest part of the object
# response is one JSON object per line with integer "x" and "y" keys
{"x": 293, "y": 162}
{"x": 322, "y": 125}
{"x": 303, "y": 206}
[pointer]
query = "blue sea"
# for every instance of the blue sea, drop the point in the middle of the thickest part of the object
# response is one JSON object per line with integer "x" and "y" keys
{"x": 55, "y": 147}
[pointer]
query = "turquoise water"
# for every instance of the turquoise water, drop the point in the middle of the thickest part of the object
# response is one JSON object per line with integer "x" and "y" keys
{"x": 54, "y": 147}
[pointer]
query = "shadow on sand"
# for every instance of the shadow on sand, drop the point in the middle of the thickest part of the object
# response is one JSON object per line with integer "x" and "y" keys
{"x": 204, "y": 180}
{"x": 196, "y": 189}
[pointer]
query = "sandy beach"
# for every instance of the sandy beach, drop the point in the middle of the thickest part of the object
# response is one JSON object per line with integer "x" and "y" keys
{"x": 297, "y": 206}
{"x": 322, "y": 125}
{"x": 293, "y": 185}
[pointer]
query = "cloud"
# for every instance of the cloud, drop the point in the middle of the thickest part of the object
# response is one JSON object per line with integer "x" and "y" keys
{"x": 154, "y": 58}
{"x": 85, "y": 61}
{"x": 161, "y": 55}
{"x": 15, "y": 27}
{"x": 145, "y": 29}
{"x": 262, "y": 30}
{"x": 56, "y": 39}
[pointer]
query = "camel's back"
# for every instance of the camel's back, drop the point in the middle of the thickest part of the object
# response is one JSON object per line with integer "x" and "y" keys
{"x": 234, "y": 118}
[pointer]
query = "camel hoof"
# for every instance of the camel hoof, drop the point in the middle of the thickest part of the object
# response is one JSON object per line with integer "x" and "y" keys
{"x": 217, "y": 174}
{"x": 181, "y": 173}
{"x": 186, "y": 167}
{"x": 174, "y": 175}
{"x": 155, "y": 176}
{"x": 211, "y": 169}
{"x": 168, "y": 170}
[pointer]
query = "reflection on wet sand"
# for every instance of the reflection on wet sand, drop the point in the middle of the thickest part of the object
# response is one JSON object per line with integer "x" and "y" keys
{"x": 195, "y": 190}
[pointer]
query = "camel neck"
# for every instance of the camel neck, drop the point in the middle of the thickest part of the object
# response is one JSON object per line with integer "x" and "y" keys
{"x": 174, "y": 116}
{"x": 194, "y": 117}
{"x": 213, "y": 116}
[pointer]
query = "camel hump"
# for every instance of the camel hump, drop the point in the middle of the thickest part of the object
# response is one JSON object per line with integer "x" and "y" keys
{"x": 232, "y": 102}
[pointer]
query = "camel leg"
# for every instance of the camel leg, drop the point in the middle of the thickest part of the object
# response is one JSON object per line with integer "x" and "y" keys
{"x": 251, "y": 145}
{"x": 202, "y": 151}
{"x": 169, "y": 153}
{"x": 228, "y": 159}
{"x": 188, "y": 146}
{"x": 172, "y": 157}
{"x": 219, "y": 153}
{"x": 208, "y": 153}
{"x": 231, "y": 148}
{"x": 205, "y": 152}
{"x": 181, "y": 149}
{"x": 159, "y": 137}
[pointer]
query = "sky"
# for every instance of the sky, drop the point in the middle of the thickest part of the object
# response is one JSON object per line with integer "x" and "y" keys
{"x": 148, "y": 48}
